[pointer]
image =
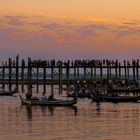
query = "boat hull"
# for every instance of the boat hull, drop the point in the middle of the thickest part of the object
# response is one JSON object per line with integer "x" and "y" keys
{"x": 7, "y": 93}
{"x": 79, "y": 95}
{"x": 115, "y": 99}
{"x": 48, "y": 103}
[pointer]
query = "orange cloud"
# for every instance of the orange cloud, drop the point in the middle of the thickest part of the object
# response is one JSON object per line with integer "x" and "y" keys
{"x": 47, "y": 36}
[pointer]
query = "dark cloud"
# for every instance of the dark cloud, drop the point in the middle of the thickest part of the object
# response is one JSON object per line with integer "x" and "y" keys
{"x": 10, "y": 30}
{"x": 53, "y": 30}
{"x": 94, "y": 29}
{"x": 13, "y": 20}
{"x": 124, "y": 31}
{"x": 65, "y": 29}
{"x": 16, "y": 17}
{"x": 132, "y": 22}
{"x": 97, "y": 26}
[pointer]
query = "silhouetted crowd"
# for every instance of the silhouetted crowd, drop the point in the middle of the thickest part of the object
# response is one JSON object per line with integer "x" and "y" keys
{"x": 71, "y": 63}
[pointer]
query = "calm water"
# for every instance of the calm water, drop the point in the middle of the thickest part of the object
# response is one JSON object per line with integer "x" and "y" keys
{"x": 85, "y": 121}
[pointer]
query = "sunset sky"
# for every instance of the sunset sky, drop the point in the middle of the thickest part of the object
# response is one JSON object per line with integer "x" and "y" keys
{"x": 70, "y": 29}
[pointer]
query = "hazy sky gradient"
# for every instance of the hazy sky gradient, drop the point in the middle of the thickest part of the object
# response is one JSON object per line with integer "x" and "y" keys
{"x": 74, "y": 8}
{"x": 70, "y": 28}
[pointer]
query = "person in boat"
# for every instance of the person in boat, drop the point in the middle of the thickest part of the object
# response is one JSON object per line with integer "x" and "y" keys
{"x": 98, "y": 91}
{"x": 82, "y": 90}
{"x": 114, "y": 94}
{"x": 51, "y": 97}
{"x": 77, "y": 85}
{"x": 29, "y": 94}
{"x": 44, "y": 97}
{"x": 2, "y": 89}
{"x": 94, "y": 83}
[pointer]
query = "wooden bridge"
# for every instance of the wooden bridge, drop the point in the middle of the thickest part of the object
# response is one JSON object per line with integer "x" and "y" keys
{"x": 52, "y": 72}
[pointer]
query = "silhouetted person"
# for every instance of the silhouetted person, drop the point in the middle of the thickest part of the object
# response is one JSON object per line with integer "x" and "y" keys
{"x": 51, "y": 97}
{"x": 29, "y": 94}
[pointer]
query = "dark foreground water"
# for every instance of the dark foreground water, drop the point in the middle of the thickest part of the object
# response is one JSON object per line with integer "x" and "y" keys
{"x": 85, "y": 121}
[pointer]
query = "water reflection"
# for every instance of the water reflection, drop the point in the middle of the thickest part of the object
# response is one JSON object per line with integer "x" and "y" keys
{"x": 84, "y": 121}
{"x": 45, "y": 110}
{"x": 97, "y": 106}
{"x": 29, "y": 112}
{"x": 74, "y": 108}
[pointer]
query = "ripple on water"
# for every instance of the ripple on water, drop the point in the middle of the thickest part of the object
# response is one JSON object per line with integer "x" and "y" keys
{"x": 84, "y": 122}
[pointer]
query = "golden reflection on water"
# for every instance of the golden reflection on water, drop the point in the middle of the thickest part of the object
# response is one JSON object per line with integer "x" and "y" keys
{"x": 85, "y": 121}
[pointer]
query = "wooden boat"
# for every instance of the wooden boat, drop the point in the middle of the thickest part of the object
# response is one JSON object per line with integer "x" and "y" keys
{"x": 81, "y": 94}
{"x": 37, "y": 101}
{"x": 123, "y": 90}
{"x": 107, "y": 98}
{"x": 7, "y": 93}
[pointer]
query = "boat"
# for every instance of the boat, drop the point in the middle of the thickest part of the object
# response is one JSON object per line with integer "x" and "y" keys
{"x": 108, "y": 98}
{"x": 81, "y": 94}
{"x": 127, "y": 89}
{"x": 8, "y": 93}
{"x": 45, "y": 102}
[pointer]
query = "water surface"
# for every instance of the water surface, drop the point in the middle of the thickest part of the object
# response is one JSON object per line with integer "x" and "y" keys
{"x": 85, "y": 121}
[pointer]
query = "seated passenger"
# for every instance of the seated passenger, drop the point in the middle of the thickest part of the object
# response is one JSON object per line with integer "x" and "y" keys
{"x": 98, "y": 91}
{"x": 114, "y": 94}
{"x": 43, "y": 96}
{"x": 51, "y": 97}
{"x": 28, "y": 95}
{"x": 2, "y": 89}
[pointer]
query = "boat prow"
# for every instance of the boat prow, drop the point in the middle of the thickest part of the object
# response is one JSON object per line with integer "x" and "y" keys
{"x": 24, "y": 101}
{"x": 8, "y": 93}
